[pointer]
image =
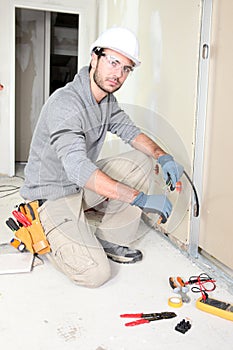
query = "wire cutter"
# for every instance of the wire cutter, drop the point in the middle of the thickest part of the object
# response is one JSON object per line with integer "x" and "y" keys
{"x": 146, "y": 318}
{"x": 179, "y": 287}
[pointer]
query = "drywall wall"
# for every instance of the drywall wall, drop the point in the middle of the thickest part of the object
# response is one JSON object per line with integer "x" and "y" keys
{"x": 215, "y": 227}
{"x": 160, "y": 95}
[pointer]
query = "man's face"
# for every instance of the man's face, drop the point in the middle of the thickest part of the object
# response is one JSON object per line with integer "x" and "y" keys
{"x": 111, "y": 70}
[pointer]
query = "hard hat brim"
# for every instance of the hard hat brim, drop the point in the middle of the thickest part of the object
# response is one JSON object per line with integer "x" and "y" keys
{"x": 133, "y": 59}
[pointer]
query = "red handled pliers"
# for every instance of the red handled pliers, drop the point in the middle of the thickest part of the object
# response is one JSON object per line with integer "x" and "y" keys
{"x": 21, "y": 218}
{"x": 146, "y": 318}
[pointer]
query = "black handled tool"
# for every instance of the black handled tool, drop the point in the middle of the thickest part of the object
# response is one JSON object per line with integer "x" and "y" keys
{"x": 12, "y": 224}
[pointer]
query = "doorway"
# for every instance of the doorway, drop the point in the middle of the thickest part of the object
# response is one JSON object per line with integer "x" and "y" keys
{"x": 46, "y": 58}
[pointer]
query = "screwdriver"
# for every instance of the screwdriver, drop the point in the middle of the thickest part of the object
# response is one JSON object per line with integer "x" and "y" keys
{"x": 15, "y": 242}
{"x": 12, "y": 224}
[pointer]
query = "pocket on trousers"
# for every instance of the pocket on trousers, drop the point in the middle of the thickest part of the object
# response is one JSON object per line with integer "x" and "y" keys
{"x": 71, "y": 257}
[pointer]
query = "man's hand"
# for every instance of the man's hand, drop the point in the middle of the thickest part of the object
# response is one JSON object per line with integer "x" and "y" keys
{"x": 171, "y": 169}
{"x": 159, "y": 204}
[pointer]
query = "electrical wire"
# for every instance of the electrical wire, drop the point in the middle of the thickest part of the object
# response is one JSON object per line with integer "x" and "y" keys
{"x": 204, "y": 283}
{"x": 169, "y": 185}
{"x": 9, "y": 189}
{"x": 196, "y": 206}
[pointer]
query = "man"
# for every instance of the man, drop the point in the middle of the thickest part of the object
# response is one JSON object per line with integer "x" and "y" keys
{"x": 63, "y": 170}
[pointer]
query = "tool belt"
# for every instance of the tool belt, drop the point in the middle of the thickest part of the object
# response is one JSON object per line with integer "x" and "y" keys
{"x": 31, "y": 233}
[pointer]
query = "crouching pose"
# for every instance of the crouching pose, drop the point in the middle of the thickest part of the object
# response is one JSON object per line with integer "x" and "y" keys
{"x": 64, "y": 173}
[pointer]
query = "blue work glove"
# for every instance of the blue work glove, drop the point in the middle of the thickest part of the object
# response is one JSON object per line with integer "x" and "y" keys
{"x": 154, "y": 203}
{"x": 172, "y": 171}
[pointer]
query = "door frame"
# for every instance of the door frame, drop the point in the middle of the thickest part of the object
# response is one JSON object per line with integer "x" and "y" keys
{"x": 201, "y": 115}
{"x": 82, "y": 8}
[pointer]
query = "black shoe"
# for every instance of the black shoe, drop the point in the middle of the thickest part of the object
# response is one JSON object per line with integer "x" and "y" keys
{"x": 121, "y": 254}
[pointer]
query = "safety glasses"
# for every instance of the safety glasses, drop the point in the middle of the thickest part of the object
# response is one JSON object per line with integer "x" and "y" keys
{"x": 114, "y": 64}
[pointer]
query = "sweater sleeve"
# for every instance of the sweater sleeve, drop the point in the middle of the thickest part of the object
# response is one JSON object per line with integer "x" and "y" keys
{"x": 67, "y": 140}
{"x": 121, "y": 124}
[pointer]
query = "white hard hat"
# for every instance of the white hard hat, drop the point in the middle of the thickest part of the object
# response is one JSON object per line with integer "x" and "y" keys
{"x": 121, "y": 40}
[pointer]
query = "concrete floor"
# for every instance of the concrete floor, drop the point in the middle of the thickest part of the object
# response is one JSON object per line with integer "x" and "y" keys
{"x": 43, "y": 310}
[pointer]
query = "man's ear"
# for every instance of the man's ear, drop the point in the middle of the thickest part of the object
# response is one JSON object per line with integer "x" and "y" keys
{"x": 94, "y": 59}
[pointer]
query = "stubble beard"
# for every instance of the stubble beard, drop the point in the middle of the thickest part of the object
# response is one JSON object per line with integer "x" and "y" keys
{"x": 100, "y": 83}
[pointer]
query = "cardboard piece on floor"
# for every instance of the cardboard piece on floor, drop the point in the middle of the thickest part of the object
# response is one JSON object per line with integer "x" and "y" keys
{"x": 13, "y": 261}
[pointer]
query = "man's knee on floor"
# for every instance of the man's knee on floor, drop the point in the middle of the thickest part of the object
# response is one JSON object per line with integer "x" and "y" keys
{"x": 85, "y": 265}
{"x": 93, "y": 277}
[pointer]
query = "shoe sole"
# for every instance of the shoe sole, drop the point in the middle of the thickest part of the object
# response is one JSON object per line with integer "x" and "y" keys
{"x": 124, "y": 259}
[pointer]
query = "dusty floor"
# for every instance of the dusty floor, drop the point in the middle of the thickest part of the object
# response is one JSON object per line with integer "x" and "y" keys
{"x": 44, "y": 310}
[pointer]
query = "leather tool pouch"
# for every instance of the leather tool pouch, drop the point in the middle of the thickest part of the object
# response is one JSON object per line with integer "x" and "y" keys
{"x": 32, "y": 236}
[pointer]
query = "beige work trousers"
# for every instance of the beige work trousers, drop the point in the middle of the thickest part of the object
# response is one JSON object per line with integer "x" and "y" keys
{"x": 75, "y": 249}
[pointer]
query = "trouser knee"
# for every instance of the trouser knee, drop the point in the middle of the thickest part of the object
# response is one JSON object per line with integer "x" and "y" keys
{"x": 93, "y": 277}
{"x": 89, "y": 270}
{"x": 84, "y": 264}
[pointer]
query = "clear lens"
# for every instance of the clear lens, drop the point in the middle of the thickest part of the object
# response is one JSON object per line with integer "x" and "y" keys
{"x": 115, "y": 64}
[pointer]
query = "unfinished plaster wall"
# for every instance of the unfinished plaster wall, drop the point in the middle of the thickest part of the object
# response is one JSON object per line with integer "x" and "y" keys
{"x": 216, "y": 236}
{"x": 161, "y": 94}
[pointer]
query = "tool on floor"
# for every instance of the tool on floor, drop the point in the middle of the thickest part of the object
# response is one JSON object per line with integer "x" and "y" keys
{"x": 179, "y": 287}
{"x": 146, "y": 318}
{"x": 216, "y": 307}
{"x": 204, "y": 283}
{"x": 183, "y": 326}
{"x": 175, "y": 302}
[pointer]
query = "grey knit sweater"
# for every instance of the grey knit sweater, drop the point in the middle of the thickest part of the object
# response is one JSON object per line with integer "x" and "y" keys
{"x": 68, "y": 138}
